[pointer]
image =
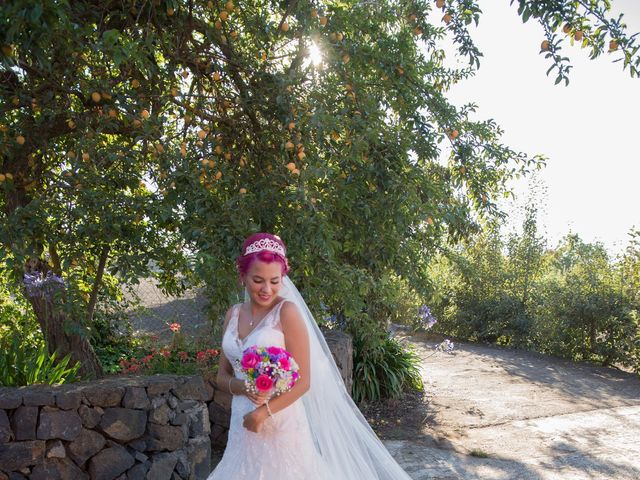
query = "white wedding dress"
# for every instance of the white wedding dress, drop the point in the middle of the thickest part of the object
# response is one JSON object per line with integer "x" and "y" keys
{"x": 284, "y": 449}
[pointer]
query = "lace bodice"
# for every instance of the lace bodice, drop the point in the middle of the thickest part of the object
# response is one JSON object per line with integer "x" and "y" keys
{"x": 266, "y": 333}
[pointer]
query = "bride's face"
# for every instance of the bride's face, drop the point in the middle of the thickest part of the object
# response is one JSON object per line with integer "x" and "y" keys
{"x": 263, "y": 282}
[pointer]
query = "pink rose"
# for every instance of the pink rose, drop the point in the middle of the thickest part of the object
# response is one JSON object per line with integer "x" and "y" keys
{"x": 264, "y": 383}
{"x": 284, "y": 363}
{"x": 274, "y": 350}
{"x": 249, "y": 360}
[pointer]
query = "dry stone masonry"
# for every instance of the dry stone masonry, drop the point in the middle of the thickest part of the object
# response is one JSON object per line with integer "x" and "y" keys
{"x": 124, "y": 428}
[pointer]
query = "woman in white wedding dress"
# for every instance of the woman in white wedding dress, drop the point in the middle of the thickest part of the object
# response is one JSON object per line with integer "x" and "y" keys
{"x": 312, "y": 432}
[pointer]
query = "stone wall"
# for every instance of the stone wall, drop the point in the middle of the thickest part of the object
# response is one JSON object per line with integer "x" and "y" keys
{"x": 118, "y": 428}
{"x": 121, "y": 428}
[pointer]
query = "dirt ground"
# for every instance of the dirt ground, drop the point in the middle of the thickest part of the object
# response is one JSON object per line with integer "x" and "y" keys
{"x": 496, "y": 413}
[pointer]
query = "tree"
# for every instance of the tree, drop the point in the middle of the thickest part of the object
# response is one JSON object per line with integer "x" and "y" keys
{"x": 166, "y": 131}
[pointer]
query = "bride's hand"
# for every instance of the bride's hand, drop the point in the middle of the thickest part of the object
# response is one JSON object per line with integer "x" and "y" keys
{"x": 259, "y": 398}
{"x": 254, "y": 421}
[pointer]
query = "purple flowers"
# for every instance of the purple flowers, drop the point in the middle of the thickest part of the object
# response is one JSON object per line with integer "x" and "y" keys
{"x": 37, "y": 284}
{"x": 427, "y": 318}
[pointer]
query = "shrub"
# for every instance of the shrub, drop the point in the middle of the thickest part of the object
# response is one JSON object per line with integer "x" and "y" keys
{"x": 22, "y": 363}
{"x": 383, "y": 367}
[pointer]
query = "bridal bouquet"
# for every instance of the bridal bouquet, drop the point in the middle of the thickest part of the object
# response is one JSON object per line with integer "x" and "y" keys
{"x": 268, "y": 368}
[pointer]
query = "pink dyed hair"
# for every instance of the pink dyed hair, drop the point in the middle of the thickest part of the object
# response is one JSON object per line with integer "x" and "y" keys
{"x": 245, "y": 261}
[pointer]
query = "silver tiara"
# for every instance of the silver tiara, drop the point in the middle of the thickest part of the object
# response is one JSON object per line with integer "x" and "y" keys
{"x": 265, "y": 244}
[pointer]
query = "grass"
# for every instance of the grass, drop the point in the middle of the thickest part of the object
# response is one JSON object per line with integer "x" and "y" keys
{"x": 476, "y": 452}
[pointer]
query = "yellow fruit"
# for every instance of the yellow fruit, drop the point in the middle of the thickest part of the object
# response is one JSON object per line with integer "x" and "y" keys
{"x": 613, "y": 45}
{"x": 218, "y": 149}
{"x": 439, "y": 3}
{"x": 291, "y": 125}
{"x": 447, "y": 18}
{"x": 284, "y": 27}
{"x": 430, "y": 220}
{"x": 301, "y": 155}
{"x": 218, "y": 24}
{"x": 229, "y": 6}
{"x": 291, "y": 166}
{"x": 545, "y": 45}
{"x": 113, "y": 113}
{"x": 295, "y": 171}
{"x": 2, "y": 177}
{"x": 144, "y": 114}
{"x": 243, "y": 191}
{"x": 174, "y": 92}
{"x": 233, "y": 34}
{"x": 160, "y": 148}
{"x": 20, "y": 139}
{"x": 135, "y": 83}
{"x": 106, "y": 96}
{"x": 413, "y": 17}
{"x": 71, "y": 154}
{"x": 224, "y": 15}
{"x": 170, "y": 11}
{"x": 566, "y": 28}
{"x": 454, "y": 134}
{"x": 96, "y": 97}
{"x": 71, "y": 124}
{"x": 400, "y": 70}
{"x": 216, "y": 76}
{"x": 202, "y": 134}
{"x": 86, "y": 157}
{"x": 9, "y": 176}
{"x": 218, "y": 175}
{"x": 462, "y": 170}
{"x": 289, "y": 145}
{"x": 15, "y": 101}
{"x": 211, "y": 163}
{"x": 346, "y": 58}
{"x": 417, "y": 31}
{"x": 578, "y": 35}
{"x": 7, "y": 50}
{"x": 314, "y": 13}
{"x": 185, "y": 74}
{"x": 137, "y": 123}
{"x": 227, "y": 156}
{"x": 323, "y": 20}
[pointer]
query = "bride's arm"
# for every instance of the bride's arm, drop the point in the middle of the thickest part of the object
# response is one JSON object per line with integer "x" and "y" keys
{"x": 297, "y": 344}
{"x": 225, "y": 370}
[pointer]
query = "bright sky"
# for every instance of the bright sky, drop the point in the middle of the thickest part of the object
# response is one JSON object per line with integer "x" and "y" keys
{"x": 589, "y": 131}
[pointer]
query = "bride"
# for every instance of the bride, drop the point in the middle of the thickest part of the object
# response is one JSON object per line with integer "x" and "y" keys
{"x": 314, "y": 431}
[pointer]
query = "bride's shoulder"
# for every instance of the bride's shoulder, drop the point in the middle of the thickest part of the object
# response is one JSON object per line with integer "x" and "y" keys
{"x": 289, "y": 312}
{"x": 229, "y": 314}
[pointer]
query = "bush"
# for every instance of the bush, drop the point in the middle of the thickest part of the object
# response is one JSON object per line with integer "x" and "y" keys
{"x": 22, "y": 363}
{"x": 177, "y": 358}
{"x": 382, "y": 367}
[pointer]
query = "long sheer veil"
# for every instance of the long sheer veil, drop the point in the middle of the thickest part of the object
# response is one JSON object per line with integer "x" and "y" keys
{"x": 341, "y": 434}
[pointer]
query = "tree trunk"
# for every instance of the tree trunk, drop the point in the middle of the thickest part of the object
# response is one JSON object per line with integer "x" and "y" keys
{"x": 65, "y": 336}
